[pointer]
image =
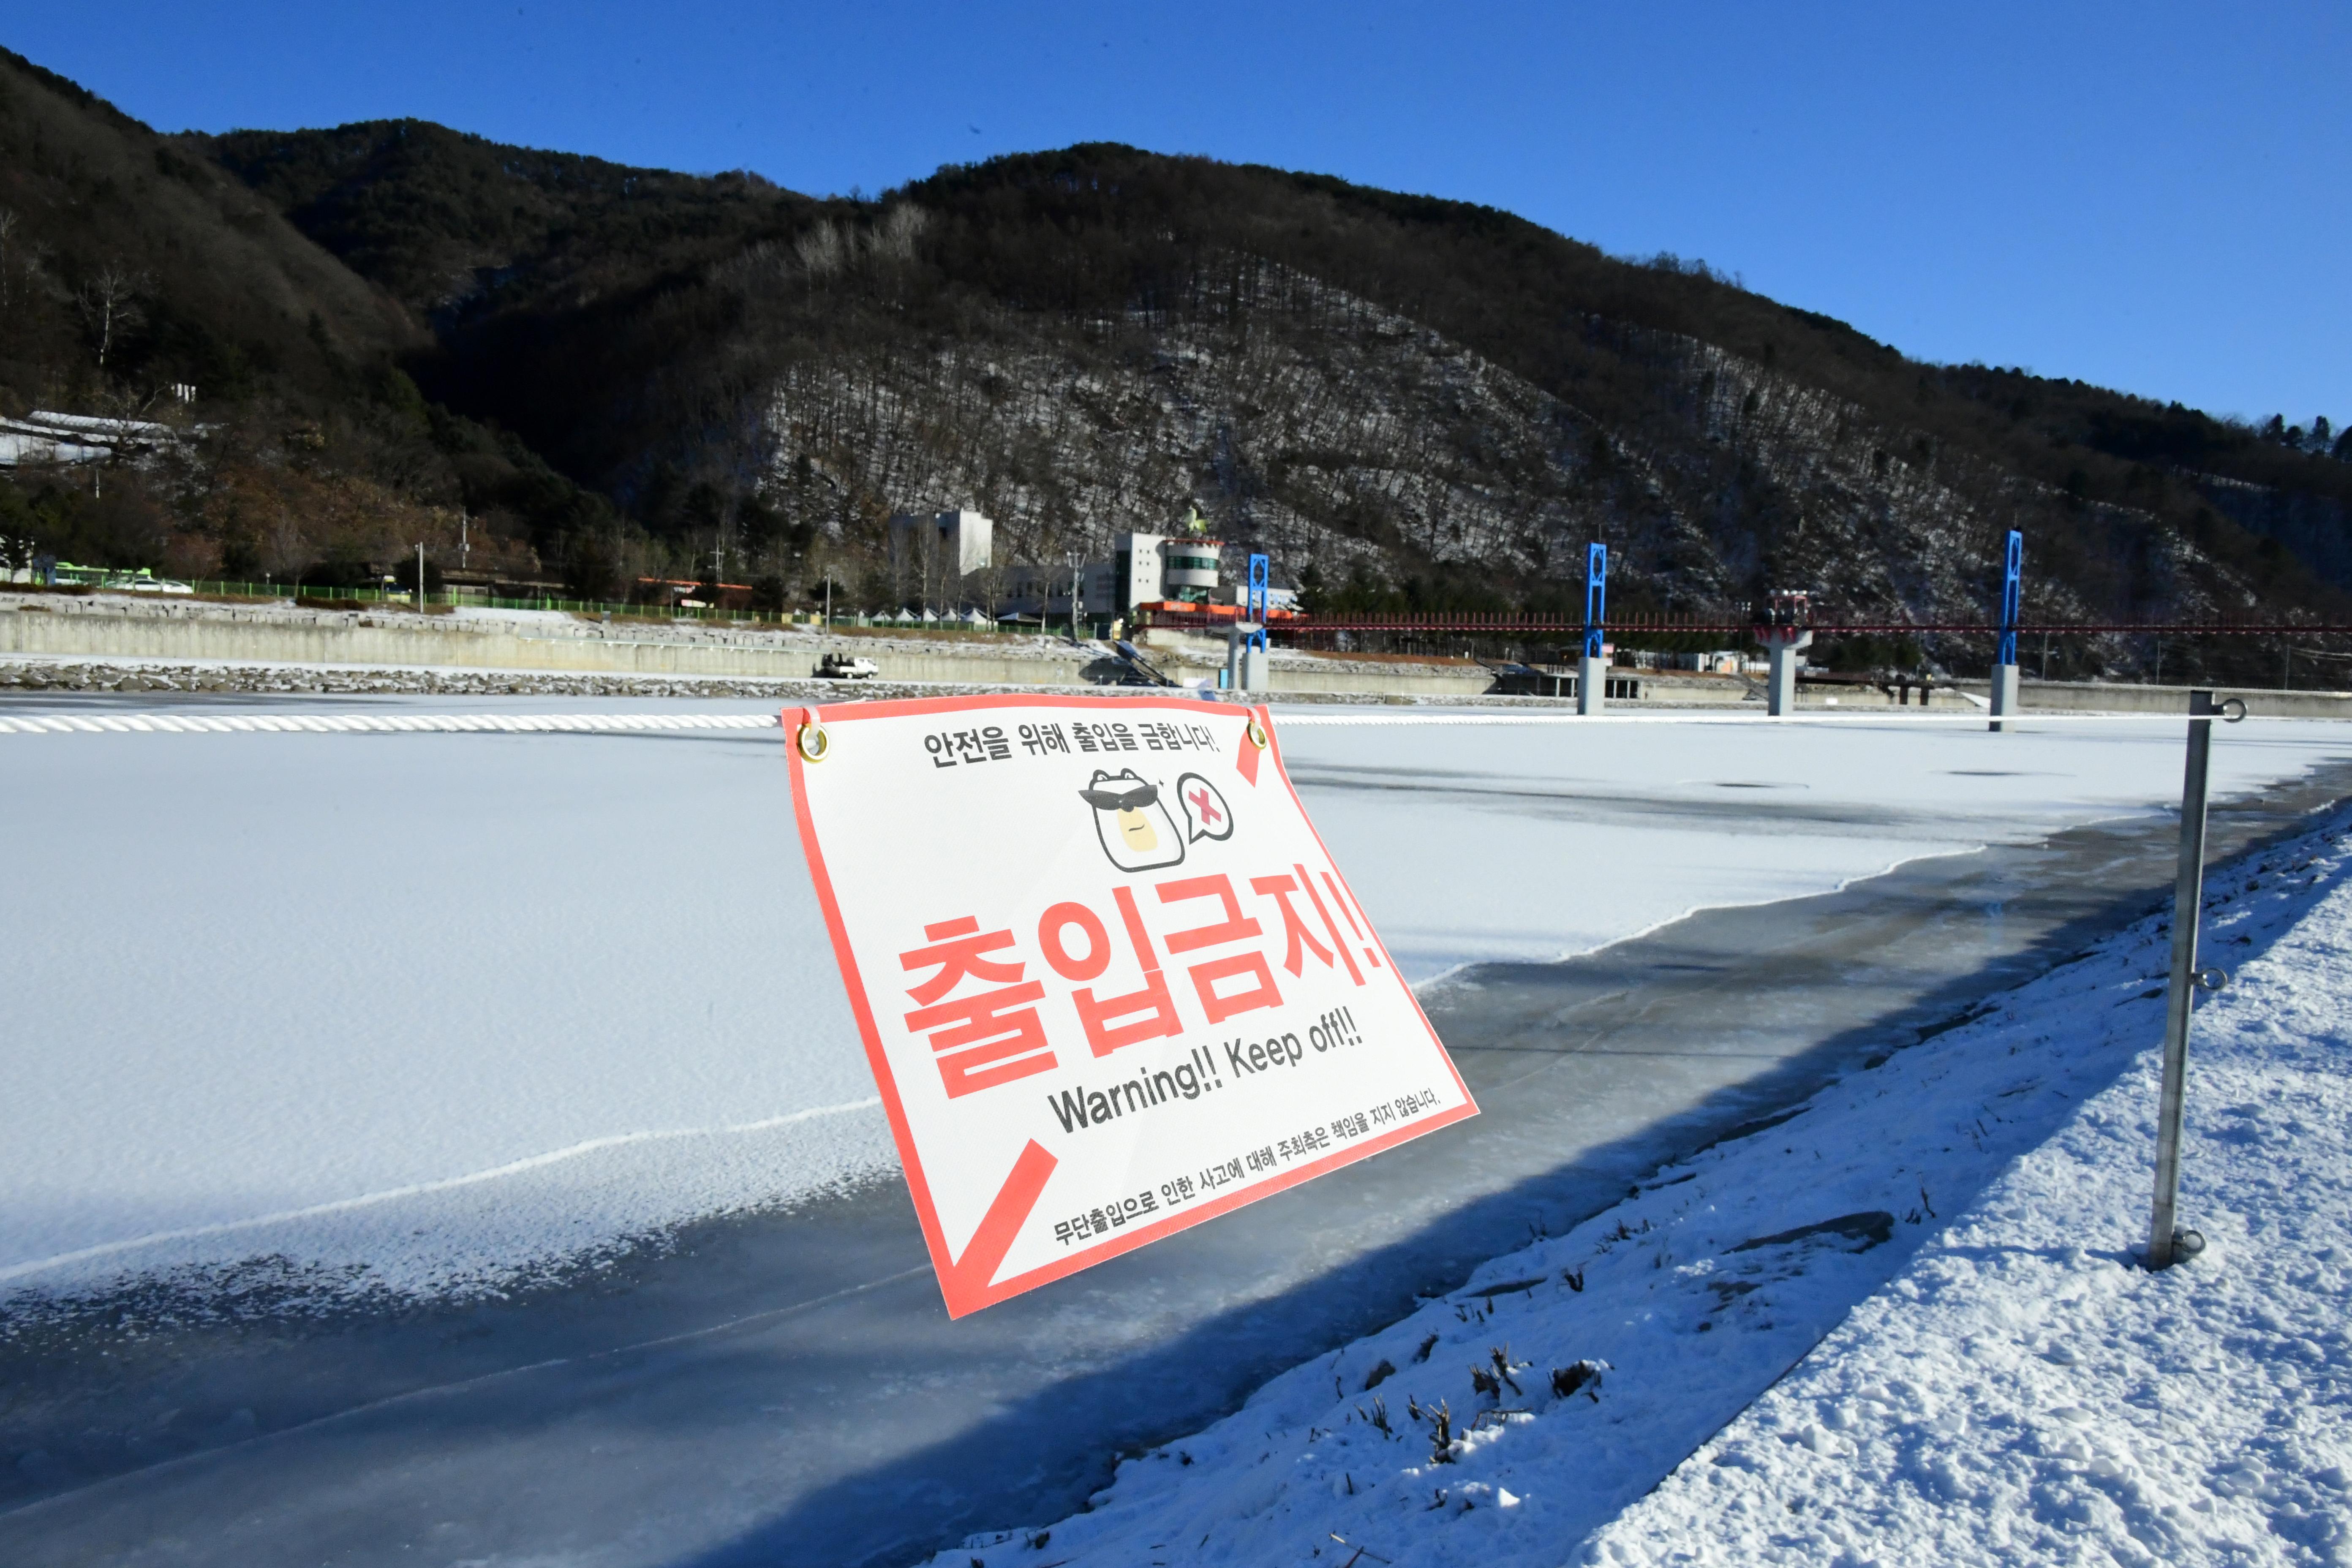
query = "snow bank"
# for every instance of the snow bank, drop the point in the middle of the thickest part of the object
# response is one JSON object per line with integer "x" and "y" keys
{"x": 2012, "y": 1387}
{"x": 2023, "y": 1393}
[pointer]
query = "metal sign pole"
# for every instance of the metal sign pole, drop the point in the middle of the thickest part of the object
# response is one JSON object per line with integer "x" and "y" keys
{"x": 2164, "y": 1240}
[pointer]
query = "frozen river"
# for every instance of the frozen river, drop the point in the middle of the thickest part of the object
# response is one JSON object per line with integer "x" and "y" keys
{"x": 406, "y": 1011}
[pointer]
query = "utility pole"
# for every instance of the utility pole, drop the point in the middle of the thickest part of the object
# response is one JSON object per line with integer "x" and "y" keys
{"x": 420, "y": 576}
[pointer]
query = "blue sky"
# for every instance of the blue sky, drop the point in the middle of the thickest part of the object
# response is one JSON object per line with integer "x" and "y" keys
{"x": 2152, "y": 197}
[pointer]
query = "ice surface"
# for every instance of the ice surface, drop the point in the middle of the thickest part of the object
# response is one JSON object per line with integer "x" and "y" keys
{"x": 1484, "y": 845}
{"x": 2011, "y": 1388}
{"x": 311, "y": 994}
{"x": 441, "y": 1007}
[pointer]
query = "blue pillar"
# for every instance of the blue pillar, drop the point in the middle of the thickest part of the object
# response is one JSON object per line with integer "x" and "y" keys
{"x": 1596, "y": 597}
{"x": 2004, "y": 660}
{"x": 1592, "y": 671}
{"x": 1257, "y": 600}
{"x": 2011, "y": 592}
{"x": 1253, "y": 675}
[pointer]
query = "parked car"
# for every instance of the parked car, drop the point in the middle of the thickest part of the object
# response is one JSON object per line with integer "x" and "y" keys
{"x": 846, "y": 667}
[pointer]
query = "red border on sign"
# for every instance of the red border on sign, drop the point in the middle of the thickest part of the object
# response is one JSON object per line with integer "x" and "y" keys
{"x": 962, "y": 1298}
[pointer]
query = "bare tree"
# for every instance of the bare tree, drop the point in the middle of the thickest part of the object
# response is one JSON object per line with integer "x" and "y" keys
{"x": 822, "y": 251}
{"x": 285, "y": 550}
{"x": 894, "y": 238}
{"x": 109, "y": 302}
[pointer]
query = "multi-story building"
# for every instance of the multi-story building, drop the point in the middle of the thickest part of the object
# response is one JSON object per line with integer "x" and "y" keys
{"x": 1145, "y": 569}
{"x": 1157, "y": 569}
{"x": 932, "y": 553}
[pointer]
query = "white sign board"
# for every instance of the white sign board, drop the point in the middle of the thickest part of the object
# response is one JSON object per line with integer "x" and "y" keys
{"x": 1110, "y": 982}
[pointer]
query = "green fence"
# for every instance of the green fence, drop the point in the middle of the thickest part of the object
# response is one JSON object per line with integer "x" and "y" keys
{"x": 310, "y": 594}
{"x": 323, "y": 594}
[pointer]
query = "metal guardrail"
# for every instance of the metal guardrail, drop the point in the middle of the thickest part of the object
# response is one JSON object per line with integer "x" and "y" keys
{"x": 159, "y": 721}
{"x": 1504, "y": 623}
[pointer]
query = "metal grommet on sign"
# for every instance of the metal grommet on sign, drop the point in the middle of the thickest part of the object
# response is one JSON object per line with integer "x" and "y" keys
{"x": 813, "y": 740}
{"x": 1256, "y": 733}
{"x": 2212, "y": 979}
{"x": 2229, "y": 702}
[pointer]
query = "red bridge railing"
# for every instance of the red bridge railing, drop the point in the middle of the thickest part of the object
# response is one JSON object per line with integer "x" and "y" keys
{"x": 1508, "y": 623}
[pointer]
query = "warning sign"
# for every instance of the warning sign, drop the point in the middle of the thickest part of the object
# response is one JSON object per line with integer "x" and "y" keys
{"x": 1110, "y": 982}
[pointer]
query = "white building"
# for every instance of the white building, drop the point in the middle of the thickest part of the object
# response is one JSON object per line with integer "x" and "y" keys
{"x": 1144, "y": 569}
{"x": 1158, "y": 568}
{"x": 932, "y": 553}
{"x": 961, "y": 541}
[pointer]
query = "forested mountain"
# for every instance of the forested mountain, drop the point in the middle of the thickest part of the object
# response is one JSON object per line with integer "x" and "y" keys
{"x": 1406, "y": 401}
{"x": 129, "y": 262}
{"x": 452, "y": 225}
{"x": 206, "y": 281}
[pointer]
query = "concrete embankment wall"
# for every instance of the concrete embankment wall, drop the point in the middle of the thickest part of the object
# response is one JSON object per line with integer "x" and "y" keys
{"x": 464, "y": 646}
{"x": 2083, "y": 695}
{"x": 2092, "y": 697}
{"x": 1373, "y": 680}
{"x": 202, "y": 633}
{"x": 1183, "y": 657}
{"x": 35, "y": 628}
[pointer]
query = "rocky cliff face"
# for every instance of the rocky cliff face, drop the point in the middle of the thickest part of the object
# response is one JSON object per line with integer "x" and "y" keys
{"x": 1357, "y": 447}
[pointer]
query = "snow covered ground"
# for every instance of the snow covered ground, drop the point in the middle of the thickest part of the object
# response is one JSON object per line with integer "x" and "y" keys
{"x": 1905, "y": 1325}
{"x": 426, "y": 1010}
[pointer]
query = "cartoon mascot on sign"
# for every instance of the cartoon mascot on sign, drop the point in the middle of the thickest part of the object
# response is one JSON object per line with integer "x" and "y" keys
{"x": 1136, "y": 830}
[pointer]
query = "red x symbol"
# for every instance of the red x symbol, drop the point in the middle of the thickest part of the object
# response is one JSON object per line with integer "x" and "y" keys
{"x": 1210, "y": 815}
